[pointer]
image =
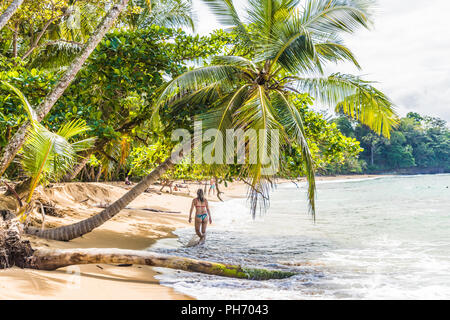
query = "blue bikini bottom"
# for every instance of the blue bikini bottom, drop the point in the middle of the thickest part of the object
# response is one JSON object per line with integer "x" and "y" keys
{"x": 202, "y": 216}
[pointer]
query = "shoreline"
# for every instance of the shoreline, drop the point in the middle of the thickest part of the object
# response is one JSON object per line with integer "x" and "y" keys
{"x": 133, "y": 228}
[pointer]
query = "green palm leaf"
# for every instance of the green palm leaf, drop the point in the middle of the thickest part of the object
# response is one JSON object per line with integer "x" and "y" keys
{"x": 293, "y": 122}
{"x": 28, "y": 108}
{"x": 334, "y": 16}
{"x": 48, "y": 156}
{"x": 168, "y": 13}
{"x": 356, "y": 98}
{"x": 197, "y": 79}
{"x": 227, "y": 15}
{"x": 334, "y": 52}
{"x": 73, "y": 128}
{"x": 234, "y": 61}
{"x": 292, "y": 39}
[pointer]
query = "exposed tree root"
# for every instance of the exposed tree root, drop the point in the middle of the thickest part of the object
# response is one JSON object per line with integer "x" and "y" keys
{"x": 13, "y": 250}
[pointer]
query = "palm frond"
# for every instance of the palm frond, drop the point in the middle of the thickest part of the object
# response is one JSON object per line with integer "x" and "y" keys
{"x": 55, "y": 54}
{"x": 256, "y": 117}
{"x": 197, "y": 79}
{"x": 334, "y": 16}
{"x": 292, "y": 120}
{"x": 355, "y": 97}
{"x": 293, "y": 38}
{"x": 234, "y": 61}
{"x": 28, "y": 108}
{"x": 168, "y": 13}
{"x": 227, "y": 15}
{"x": 204, "y": 96}
{"x": 80, "y": 23}
{"x": 264, "y": 14}
{"x": 292, "y": 48}
{"x": 45, "y": 155}
{"x": 48, "y": 156}
{"x": 82, "y": 145}
{"x": 73, "y": 128}
{"x": 334, "y": 52}
{"x": 220, "y": 118}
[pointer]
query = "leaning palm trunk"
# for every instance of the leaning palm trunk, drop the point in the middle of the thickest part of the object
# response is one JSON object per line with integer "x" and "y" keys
{"x": 4, "y": 18}
{"x": 79, "y": 166}
{"x": 84, "y": 160}
{"x": 18, "y": 139}
{"x": 66, "y": 233}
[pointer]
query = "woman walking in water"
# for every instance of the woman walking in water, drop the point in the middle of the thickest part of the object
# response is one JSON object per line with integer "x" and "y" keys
{"x": 202, "y": 214}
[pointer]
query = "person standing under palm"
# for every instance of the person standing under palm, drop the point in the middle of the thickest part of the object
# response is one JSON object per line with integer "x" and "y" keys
{"x": 212, "y": 187}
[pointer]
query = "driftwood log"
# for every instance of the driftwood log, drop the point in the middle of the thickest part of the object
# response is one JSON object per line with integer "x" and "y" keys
{"x": 45, "y": 259}
{"x": 17, "y": 252}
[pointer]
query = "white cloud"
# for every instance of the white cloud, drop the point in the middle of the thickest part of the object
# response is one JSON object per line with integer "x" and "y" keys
{"x": 206, "y": 22}
{"x": 407, "y": 53}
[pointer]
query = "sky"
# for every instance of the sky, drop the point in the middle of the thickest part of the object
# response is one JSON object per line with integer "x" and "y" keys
{"x": 407, "y": 52}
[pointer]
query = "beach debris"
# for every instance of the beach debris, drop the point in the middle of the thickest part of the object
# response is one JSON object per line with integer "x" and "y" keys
{"x": 194, "y": 241}
{"x": 152, "y": 210}
{"x": 7, "y": 215}
{"x": 145, "y": 209}
{"x": 13, "y": 250}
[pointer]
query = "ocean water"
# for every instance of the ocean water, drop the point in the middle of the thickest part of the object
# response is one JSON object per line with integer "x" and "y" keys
{"x": 383, "y": 238}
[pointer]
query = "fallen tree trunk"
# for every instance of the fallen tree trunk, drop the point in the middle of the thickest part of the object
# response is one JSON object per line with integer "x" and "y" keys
{"x": 17, "y": 252}
{"x": 45, "y": 259}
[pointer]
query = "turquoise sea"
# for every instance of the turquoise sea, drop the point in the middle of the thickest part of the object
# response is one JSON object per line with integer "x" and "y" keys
{"x": 387, "y": 237}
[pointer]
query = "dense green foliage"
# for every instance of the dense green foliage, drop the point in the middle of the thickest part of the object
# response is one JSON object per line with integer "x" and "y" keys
{"x": 419, "y": 144}
{"x": 33, "y": 83}
{"x": 331, "y": 150}
{"x": 114, "y": 92}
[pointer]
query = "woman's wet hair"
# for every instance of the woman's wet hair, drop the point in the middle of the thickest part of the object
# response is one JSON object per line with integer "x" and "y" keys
{"x": 200, "y": 195}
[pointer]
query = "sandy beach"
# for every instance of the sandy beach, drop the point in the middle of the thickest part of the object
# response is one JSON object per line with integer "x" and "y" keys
{"x": 133, "y": 228}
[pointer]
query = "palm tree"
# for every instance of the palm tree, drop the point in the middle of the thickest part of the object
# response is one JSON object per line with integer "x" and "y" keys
{"x": 288, "y": 49}
{"x": 289, "y": 46}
